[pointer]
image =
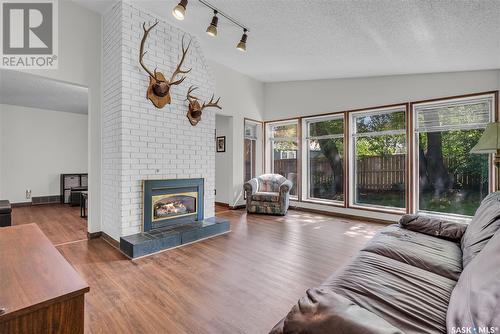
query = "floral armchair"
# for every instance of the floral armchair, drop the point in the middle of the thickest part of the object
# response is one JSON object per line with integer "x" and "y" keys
{"x": 268, "y": 193}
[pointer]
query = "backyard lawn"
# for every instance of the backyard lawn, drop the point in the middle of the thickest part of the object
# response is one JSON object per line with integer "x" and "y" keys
{"x": 460, "y": 202}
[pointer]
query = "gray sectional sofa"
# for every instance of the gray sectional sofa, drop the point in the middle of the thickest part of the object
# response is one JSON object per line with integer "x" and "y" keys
{"x": 5, "y": 213}
{"x": 422, "y": 275}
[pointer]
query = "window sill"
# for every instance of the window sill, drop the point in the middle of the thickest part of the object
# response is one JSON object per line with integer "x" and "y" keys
{"x": 380, "y": 209}
{"x": 323, "y": 202}
{"x": 446, "y": 216}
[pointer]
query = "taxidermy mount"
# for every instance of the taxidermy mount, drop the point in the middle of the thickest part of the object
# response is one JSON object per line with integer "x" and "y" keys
{"x": 195, "y": 109}
{"x": 159, "y": 87}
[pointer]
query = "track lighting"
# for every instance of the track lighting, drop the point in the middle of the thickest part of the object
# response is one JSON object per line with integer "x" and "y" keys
{"x": 242, "y": 45}
{"x": 179, "y": 11}
{"x": 212, "y": 28}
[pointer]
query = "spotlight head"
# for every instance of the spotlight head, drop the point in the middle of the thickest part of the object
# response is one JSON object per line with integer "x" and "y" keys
{"x": 212, "y": 28}
{"x": 179, "y": 11}
{"x": 242, "y": 45}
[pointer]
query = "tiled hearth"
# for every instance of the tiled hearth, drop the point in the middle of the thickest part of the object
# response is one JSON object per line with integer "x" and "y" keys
{"x": 172, "y": 217}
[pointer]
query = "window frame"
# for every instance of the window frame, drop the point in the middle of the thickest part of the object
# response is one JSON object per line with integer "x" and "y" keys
{"x": 270, "y": 148}
{"x": 352, "y": 181}
{"x": 305, "y": 178}
{"x": 355, "y": 210}
{"x": 492, "y": 177}
{"x": 256, "y": 140}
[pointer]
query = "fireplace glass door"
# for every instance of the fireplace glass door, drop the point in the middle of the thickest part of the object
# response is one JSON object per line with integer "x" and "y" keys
{"x": 170, "y": 206}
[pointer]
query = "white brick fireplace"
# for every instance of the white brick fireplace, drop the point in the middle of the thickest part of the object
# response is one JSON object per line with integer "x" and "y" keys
{"x": 142, "y": 142}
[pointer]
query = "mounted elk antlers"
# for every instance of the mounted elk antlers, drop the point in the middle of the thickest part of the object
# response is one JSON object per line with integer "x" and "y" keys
{"x": 195, "y": 109}
{"x": 159, "y": 87}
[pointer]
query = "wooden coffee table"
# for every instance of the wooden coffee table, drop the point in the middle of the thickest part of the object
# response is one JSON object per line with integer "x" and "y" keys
{"x": 40, "y": 292}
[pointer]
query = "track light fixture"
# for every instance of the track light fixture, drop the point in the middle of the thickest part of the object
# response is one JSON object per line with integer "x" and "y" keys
{"x": 212, "y": 28}
{"x": 242, "y": 45}
{"x": 179, "y": 11}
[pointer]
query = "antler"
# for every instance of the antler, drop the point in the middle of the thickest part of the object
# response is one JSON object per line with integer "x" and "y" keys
{"x": 178, "y": 69}
{"x": 211, "y": 103}
{"x": 142, "y": 52}
{"x": 189, "y": 97}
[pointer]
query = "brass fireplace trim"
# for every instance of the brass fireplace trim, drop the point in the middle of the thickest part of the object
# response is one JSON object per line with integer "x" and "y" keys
{"x": 163, "y": 196}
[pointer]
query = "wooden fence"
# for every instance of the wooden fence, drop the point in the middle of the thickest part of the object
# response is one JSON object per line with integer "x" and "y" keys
{"x": 374, "y": 173}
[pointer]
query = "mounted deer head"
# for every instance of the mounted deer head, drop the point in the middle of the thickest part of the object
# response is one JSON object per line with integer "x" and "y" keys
{"x": 159, "y": 87}
{"x": 195, "y": 109}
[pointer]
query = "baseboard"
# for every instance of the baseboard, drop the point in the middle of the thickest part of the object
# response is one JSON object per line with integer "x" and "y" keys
{"x": 230, "y": 207}
{"x": 341, "y": 215}
{"x": 94, "y": 235}
{"x": 20, "y": 204}
{"x": 110, "y": 240}
{"x": 51, "y": 199}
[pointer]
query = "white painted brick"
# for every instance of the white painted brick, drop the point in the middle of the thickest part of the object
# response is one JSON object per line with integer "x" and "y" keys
{"x": 140, "y": 141}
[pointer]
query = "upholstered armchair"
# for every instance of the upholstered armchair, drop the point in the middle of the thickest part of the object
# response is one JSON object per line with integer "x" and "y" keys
{"x": 268, "y": 193}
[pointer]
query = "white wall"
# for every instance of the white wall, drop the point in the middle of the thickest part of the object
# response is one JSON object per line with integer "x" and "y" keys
{"x": 38, "y": 145}
{"x": 224, "y": 160}
{"x": 1, "y": 157}
{"x": 80, "y": 63}
{"x": 301, "y": 98}
{"x": 242, "y": 97}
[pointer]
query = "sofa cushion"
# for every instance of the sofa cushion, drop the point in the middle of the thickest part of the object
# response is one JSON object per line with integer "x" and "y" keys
{"x": 266, "y": 196}
{"x": 436, "y": 255}
{"x": 323, "y": 311}
{"x": 475, "y": 301}
{"x": 272, "y": 208}
{"x": 435, "y": 227}
{"x": 409, "y": 298}
{"x": 482, "y": 227}
{"x": 5, "y": 207}
{"x": 270, "y": 182}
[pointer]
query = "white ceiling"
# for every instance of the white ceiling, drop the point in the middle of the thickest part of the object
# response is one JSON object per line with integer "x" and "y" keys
{"x": 315, "y": 39}
{"x": 28, "y": 90}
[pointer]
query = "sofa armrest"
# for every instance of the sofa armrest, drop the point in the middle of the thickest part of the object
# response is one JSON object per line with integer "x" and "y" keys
{"x": 323, "y": 311}
{"x": 285, "y": 187}
{"x": 432, "y": 226}
{"x": 251, "y": 186}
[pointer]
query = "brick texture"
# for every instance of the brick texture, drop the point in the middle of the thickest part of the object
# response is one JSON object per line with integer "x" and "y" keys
{"x": 142, "y": 142}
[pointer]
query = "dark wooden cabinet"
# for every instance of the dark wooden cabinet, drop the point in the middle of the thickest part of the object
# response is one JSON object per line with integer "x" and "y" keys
{"x": 40, "y": 292}
{"x": 69, "y": 181}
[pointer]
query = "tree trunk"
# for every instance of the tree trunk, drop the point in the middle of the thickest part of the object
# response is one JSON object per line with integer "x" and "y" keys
{"x": 423, "y": 173}
{"x": 330, "y": 151}
{"x": 439, "y": 177}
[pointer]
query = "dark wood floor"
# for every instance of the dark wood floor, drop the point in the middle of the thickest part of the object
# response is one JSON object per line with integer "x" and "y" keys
{"x": 242, "y": 282}
{"x": 60, "y": 223}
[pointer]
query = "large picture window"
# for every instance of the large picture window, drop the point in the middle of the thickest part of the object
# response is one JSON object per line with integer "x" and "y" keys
{"x": 378, "y": 165}
{"x": 284, "y": 151}
{"x": 324, "y": 145}
{"x": 451, "y": 180}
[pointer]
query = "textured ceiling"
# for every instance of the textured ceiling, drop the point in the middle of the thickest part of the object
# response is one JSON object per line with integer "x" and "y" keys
{"x": 314, "y": 39}
{"x": 28, "y": 90}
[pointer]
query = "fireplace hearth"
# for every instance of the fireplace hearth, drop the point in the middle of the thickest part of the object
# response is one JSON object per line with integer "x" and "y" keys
{"x": 173, "y": 216}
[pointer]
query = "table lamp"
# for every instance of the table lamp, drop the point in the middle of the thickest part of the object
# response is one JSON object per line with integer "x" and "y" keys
{"x": 489, "y": 142}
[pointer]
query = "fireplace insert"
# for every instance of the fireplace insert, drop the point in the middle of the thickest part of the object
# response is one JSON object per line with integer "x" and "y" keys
{"x": 172, "y": 202}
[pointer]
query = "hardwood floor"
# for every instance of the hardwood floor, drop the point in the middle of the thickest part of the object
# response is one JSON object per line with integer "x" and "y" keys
{"x": 242, "y": 282}
{"x": 60, "y": 223}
